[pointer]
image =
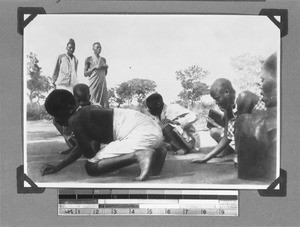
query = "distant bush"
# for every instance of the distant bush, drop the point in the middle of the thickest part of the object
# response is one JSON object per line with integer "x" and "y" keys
{"x": 202, "y": 109}
{"x": 36, "y": 111}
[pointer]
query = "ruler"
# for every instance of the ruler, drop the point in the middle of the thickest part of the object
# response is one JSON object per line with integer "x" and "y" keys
{"x": 93, "y": 202}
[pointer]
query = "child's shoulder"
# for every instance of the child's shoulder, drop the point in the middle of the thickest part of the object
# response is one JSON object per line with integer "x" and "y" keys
{"x": 81, "y": 114}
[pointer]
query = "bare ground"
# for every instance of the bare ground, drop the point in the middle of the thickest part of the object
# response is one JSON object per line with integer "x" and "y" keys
{"x": 44, "y": 145}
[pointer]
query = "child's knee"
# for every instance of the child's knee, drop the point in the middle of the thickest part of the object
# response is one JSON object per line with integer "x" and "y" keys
{"x": 215, "y": 133}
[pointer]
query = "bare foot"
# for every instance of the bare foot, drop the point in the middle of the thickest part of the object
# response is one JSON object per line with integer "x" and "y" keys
{"x": 145, "y": 159}
{"x": 159, "y": 160}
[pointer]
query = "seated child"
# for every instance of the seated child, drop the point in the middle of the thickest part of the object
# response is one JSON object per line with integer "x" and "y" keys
{"x": 256, "y": 133}
{"x": 224, "y": 95}
{"x": 131, "y": 137}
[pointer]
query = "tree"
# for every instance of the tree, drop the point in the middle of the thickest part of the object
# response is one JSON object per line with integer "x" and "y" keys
{"x": 135, "y": 89}
{"x": 193, "y": 88}
{"x": 247, "y": 68}
{"x": 194, "y": 94}
{"x": 124, "y": 92}
{"x": 113, "y": 97}
{"x": 141, "y": 88}
{"x": 37, "y": 84}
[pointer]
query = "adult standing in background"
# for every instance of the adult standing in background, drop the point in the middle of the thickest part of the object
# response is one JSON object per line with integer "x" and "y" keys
{"x": 65, "y": 72}
{"x": 95, "y": 69}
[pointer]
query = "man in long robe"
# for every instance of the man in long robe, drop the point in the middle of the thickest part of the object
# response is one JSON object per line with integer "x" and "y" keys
{"x": 95, "y": 69}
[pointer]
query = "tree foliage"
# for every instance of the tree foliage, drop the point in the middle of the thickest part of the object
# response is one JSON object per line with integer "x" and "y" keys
{"x": 113, "y": 97}
{"x": 193, "y": 88}
{"x": 37, "y": 84}
{"x": 135, "y": 89}
{"x": 248, "y": 68}
{"x": 141, "y": 88}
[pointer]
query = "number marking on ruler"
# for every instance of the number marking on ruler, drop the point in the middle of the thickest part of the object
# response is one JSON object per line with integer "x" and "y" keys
{"x": 147, "y": 202}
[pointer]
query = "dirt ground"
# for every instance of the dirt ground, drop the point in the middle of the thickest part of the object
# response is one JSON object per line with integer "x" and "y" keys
{"x": 44, "y": 145}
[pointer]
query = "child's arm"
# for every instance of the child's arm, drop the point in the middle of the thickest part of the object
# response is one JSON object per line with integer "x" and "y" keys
{"x": 211, "y": 123}
{"x": 215, "y": 119}
{"x": 73, "y": 156}
{"x": 224, "y": 142}
{"x": 83, "y": 147}
{"x": 185, "y": 119}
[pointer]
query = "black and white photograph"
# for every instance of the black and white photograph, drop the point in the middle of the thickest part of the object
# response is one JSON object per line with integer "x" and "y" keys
{"x": 180, "y": 101}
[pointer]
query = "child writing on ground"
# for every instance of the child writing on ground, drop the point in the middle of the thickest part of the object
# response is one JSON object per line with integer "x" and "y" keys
{"x": 224, "y": 95}
{"x": 131, "y": 137}
{"x": 82, "y": 98}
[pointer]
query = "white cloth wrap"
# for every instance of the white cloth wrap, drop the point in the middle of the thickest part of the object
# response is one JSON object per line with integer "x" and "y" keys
{"x": 132, "y": 131}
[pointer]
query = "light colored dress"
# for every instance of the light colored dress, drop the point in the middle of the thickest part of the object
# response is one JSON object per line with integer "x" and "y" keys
{"x": 132, "y": 131}
{"x": 97, "y": 81}
{"x": 184, "y": 117}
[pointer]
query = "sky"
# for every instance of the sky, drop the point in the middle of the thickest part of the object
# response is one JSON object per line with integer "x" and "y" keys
{"x": 152, "y": 46}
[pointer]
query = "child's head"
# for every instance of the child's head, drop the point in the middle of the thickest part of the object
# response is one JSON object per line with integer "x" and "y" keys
{"x": 60, "y": 104}
{"x": 155, "y": 104}
{"x": 269, "y": 67}
{"x": 269, "y": 93}
{"x": 245, "y": 102}
{"x": 82, "y": 94}
{"x": 223, "y": 93}
{"x": 269, "y": 81}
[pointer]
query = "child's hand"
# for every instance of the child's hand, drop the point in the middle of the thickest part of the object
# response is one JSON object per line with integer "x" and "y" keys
{"x": 49, "y": 169}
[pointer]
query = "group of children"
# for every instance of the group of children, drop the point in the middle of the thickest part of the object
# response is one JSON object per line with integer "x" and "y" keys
{"x": 250, "y": 128}
{"x": 115, "y": 138}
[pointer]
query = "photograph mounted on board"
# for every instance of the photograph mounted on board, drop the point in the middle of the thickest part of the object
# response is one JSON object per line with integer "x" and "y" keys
{"x": 151, "y": 101}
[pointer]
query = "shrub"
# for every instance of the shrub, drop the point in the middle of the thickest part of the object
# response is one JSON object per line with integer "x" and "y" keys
{"x": 202, "y": 109}
{"x": 36, "y": 111}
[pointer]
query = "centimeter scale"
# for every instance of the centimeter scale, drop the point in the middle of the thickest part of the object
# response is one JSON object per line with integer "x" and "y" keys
{"x": 84, "y": 202}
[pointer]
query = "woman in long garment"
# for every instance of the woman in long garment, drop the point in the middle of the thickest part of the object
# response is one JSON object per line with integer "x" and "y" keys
{"x": 95, "y": 69}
